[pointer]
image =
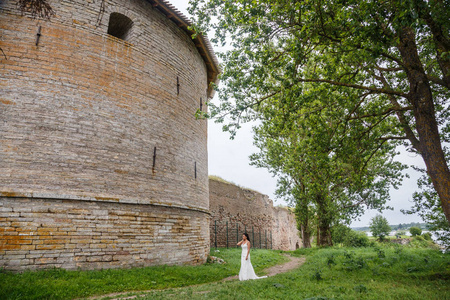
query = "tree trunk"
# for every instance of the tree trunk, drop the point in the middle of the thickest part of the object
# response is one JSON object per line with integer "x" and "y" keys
{"x": 302, "y": 215}
{"x": 323, "y": 223}
{"x": 306, "y": 236}
{"x": 324, "y": 235}
{"x": 421, "y": 98}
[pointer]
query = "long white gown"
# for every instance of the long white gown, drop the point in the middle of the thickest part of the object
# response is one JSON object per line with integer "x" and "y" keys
{"x": 247, "y": 271}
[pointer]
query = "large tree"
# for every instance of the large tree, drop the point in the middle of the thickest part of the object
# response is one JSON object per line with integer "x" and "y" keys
{"x": 395, "y": 52}
{"x": 333, "y": 171}
{"x": 379, "y": 227}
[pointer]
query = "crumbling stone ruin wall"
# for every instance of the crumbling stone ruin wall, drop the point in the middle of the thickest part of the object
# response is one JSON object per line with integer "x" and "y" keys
{"x": 246, "y": 210}
{"x": 103, "y": 163}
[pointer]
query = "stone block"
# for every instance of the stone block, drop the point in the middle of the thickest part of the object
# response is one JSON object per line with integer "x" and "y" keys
{"x": 50, "y": 247}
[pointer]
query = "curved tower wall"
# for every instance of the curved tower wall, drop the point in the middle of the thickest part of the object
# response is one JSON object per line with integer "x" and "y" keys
{"x": 81, "y": 113}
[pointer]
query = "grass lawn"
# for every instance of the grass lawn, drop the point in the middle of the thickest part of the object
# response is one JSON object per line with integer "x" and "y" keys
{"x": 62, "y": 284}
{"x": 381, "y": 272}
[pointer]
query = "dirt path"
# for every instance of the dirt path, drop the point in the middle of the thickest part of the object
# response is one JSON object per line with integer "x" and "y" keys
{"x": 294, "y": 263}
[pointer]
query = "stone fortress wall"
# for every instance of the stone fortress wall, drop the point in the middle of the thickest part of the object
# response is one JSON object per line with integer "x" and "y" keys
{"x": 247, "y": 210}
{"x": 103, "y": 163}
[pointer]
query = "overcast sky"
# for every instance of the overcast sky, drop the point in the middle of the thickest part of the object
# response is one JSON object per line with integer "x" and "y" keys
{"x": 229, "y": 159}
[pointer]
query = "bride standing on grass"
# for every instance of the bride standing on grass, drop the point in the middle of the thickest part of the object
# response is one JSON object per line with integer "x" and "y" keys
{"x": 246, "y": 271}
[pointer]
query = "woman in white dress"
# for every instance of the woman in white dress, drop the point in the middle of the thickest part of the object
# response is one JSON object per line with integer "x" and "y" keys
{"x": 246, "y": 271}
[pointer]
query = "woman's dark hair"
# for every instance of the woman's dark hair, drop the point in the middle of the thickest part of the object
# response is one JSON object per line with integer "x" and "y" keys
{"x": 246, "y": 235}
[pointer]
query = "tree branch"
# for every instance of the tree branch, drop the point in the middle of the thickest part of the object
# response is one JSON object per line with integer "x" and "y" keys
{"x": 374, "y": 125}
{"x": 387, "y": 138}
{"x": 388, "y": 111}
{"x": 389, "y": 69}
{"x": 401, "y": 117}
{"x": 371, "y": 155}
{"x": 360, "y": 87}
{"x": 437, "y": 80}
{"x": 356, "y": 204}
{"x": 442, "y": 42}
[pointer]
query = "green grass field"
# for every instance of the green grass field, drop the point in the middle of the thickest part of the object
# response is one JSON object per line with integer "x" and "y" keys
{"x": 62, "y": 284}
{"x": 384, "y": 271}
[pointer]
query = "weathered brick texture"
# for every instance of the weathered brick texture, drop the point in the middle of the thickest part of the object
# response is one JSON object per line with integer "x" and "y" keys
{"x": 41, "y": 233}
{"x": 80, "y": 116}
{"x": 250, "y": 211}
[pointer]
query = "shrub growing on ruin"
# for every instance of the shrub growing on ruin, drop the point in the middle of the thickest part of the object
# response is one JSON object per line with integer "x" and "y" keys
{"x": 37, "y": 8}
{"x": 415, "y": 231}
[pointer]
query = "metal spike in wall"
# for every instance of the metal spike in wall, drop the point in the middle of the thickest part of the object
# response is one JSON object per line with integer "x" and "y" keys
{"x": 154, "y": 160}
{"x": 38, "y": 35}
{"x": 201, "y": 104}
{"x": 178, "y": 85}
{"x": 195, "y": 168}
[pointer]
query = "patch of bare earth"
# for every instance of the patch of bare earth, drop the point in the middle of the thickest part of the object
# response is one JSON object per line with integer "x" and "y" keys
{"x": 292, "y": 264}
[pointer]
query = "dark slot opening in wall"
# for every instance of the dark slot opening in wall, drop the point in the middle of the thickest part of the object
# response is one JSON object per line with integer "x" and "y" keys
{"x": 119, "y": 26}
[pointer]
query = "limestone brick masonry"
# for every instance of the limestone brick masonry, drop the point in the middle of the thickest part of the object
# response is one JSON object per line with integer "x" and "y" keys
{"x": 41, "y": 233}
{"x": 102, "y": 161}
{"x": 247, "y": 210}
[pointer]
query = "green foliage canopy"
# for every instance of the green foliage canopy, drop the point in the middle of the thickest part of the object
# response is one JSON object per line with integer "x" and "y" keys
{"x": 393, "y": 55}
{"x": 332, "y": 172}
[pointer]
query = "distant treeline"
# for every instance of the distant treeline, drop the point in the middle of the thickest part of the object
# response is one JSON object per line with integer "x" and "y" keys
{"x": 400, "y": 226}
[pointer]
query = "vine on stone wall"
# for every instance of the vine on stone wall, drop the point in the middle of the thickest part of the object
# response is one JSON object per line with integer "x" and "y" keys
{"x": 3, "y": 53}
{"x": 37, "y": 8}
{"x": 100, "y": 13}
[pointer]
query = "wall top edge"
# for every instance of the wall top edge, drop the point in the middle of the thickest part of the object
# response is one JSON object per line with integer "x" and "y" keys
{"x": 102, "y": 198}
